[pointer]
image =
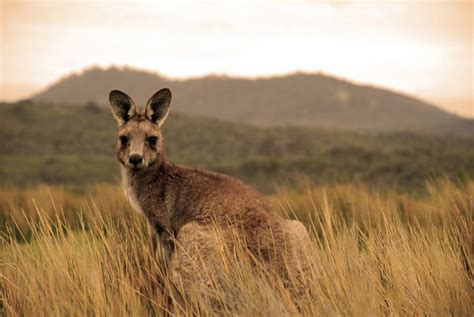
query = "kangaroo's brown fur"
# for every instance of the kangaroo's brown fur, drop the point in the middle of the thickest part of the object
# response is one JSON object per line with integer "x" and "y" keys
{"x": 182, "y": 203}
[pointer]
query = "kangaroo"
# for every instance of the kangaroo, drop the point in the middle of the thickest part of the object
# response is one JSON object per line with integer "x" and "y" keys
{"x": 180, "y": 202}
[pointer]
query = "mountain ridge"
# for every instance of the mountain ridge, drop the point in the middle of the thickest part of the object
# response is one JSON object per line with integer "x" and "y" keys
{"x": 313, "y": 99}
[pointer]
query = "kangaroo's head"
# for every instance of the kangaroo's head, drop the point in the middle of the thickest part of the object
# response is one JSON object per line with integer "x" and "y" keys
{"x": 139, "y": 143}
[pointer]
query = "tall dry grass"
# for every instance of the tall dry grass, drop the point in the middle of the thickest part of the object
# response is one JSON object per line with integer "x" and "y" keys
{"x": 375, "y": 253}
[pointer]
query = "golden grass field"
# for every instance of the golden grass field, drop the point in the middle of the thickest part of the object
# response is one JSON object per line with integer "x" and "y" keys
{"x": 375, "y": 253}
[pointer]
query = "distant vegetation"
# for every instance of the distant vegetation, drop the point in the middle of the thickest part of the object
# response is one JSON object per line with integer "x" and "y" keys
{"x": 54, "y": 144}
{"x": 301, "y": 99}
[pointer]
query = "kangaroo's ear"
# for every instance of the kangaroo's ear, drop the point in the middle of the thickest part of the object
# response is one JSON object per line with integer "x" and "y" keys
{"x": 123, "y": 106}
{"x": 158, "y": 106}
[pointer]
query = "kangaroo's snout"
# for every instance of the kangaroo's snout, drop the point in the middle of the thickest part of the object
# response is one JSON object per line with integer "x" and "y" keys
{"x": 135, "y": 160}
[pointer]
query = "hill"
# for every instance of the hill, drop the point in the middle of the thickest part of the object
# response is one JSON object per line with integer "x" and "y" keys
{"x": 44, "y": 143}
{"x": 302, "y": 99}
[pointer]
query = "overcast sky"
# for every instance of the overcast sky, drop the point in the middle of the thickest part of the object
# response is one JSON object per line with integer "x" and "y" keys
{"x": 423, "y": 48}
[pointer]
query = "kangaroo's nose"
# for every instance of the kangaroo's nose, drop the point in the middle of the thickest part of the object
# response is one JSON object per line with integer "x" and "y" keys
{"x": 135, "y": 159}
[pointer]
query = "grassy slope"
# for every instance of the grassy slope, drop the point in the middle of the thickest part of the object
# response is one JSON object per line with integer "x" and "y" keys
{"x": 374, "y": 254}
{"x": 75, "y": 146}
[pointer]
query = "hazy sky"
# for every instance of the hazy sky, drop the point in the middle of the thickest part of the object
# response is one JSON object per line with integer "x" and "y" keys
{"x": 423, "y": 48}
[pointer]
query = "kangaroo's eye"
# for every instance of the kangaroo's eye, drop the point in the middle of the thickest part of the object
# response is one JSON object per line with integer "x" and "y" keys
{"x": 152, "y": 141}
{"x": 123, "y": 140}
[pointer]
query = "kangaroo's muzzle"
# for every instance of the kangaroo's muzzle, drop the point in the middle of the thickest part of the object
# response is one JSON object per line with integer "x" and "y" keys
{"x": 135, "y": 161}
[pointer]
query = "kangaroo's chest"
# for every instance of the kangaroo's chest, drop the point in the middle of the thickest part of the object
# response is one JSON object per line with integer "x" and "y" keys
{"x": 145, "y": 202}
{"x": 131, "y": 193}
